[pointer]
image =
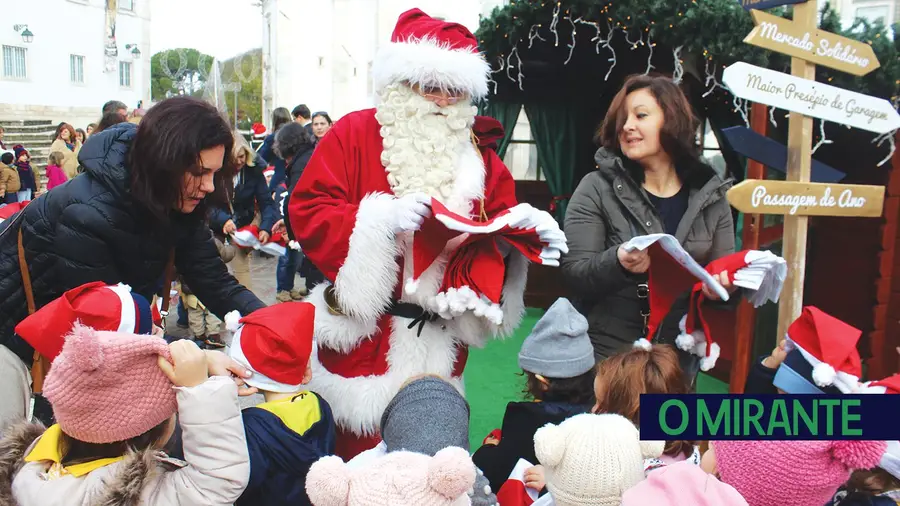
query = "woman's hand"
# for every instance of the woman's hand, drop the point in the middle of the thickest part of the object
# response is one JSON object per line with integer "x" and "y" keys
{"x": 636, "y": 261}
{"x": 229, "y": 227}
{"x": 220, "y": 364}
{"x": 263, "y": 236}
{"x": 535, "y": 479}
{"x": 723, "y": 280}
{"x": 189, "y": 369}
{"x": 279, "y": 228}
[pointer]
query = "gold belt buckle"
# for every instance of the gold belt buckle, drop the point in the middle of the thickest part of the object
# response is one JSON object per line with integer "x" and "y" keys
{"x": 334, "y": 308}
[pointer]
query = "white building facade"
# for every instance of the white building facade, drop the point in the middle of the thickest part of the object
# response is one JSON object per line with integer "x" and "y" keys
{"x": 888, "y": 11}
{"x": 62, "y": 74}
{"x": 320, "y": 52}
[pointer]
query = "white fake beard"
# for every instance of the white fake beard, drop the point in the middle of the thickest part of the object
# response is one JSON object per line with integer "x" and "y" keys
{"x": 421, "y": 148}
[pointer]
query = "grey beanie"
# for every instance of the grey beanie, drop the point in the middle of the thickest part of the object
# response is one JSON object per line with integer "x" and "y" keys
{"x": 426, "y": 416}
{"x": 559, "y": 346}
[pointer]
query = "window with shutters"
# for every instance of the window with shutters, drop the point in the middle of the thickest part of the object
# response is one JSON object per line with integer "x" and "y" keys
{"x": 14, "y": 62}
{"x": 125, "y": 74}
{"x": 76, "y": 69}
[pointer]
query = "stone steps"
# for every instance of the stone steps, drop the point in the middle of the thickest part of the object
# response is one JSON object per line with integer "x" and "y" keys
{"x": 36, "y": 136}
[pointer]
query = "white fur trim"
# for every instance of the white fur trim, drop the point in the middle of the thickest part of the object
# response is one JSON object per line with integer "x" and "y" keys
{"x": 890, "y": 461}
{"x": 128, "y": 315}
{"x": 294, "y": 245}
{"x": 643, "y": 344}
{"x": 365, "y": 283}
{"x": 358, "y": 403}
{"x": 412, "y": 286}
{"x": 335, "y": 332}
{"x": 233, "y": 321}
{"x": 430, "y": 63}
{"x": 258, "y": 379}
{"x": 823, "y": 374}
{"x": 709, "y": 362}
{"x": 685, "y": 342}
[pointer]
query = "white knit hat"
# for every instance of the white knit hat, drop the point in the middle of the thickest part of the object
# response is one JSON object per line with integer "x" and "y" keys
{"x": 591, "y": 460}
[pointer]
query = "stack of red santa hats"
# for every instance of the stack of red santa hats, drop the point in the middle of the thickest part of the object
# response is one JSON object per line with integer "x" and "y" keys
{"x": 673, "y": 273}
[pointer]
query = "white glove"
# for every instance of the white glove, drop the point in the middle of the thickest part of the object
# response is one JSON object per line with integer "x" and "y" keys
{"x": 410, "y": 212}
{"x": 546, "y": 227}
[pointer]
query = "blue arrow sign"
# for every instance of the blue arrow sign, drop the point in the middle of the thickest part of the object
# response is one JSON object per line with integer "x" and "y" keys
{"x": 773, "y": 154}
{"x": 767, "y": 4}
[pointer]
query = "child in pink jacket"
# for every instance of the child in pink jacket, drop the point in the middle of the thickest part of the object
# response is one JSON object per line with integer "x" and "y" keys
{"x": 55, "y": 174}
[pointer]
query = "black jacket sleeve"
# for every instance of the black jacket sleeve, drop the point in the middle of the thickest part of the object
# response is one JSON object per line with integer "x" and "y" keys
{"x": 198, "y": 262}
{"x": 760, "y": 379}
{"x": 268, "y": 211}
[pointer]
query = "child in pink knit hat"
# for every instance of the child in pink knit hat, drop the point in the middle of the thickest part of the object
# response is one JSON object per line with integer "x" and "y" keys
{"x": 397, "y": 479}
{"x": 799, "y": 473}
{"x": 114, "y": 396}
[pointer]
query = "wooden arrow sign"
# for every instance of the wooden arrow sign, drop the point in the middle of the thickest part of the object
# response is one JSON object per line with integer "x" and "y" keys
{"x": 811, "y": 98}
{"x": 813, "y": 45}
{"x": 766, "y": 4}
{"x": 793, "y": 198}
{"x": 773, "y": 154}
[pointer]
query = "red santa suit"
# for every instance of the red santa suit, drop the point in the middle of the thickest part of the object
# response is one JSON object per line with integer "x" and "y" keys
{"x": 341, "y": 213}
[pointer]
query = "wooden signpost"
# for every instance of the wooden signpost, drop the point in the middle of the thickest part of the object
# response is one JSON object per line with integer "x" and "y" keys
{"x": 792, "y": 198}
{"x": 805, "y": 98}
{"x": 816, "y": 46}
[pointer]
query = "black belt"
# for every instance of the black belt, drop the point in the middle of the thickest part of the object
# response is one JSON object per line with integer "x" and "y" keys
{"x": 408, "y": 310}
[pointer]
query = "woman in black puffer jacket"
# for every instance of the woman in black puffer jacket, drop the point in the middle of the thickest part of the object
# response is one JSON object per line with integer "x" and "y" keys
{"x": 138, "y": 204}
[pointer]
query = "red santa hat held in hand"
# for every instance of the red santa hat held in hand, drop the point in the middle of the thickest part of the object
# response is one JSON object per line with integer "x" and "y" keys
{"x": 275, "y": 343}
{"x": 97, "y": 305}
{"x": 672, "y": 273}
{"x": 432, "y": 53}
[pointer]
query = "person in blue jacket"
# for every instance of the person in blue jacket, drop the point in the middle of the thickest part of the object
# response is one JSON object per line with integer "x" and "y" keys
{"x": 294, "y": 427}
{"x": 247, "y": 195}
{"x": 280, "y": 117}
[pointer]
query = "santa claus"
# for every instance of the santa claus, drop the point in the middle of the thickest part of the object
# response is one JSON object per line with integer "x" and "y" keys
{"x": 366, "y": 191}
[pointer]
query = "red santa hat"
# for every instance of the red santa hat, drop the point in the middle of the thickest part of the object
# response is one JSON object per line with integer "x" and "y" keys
{"x": 432, "y": 54}
{"x": 828, "y": 345}
{"x": 6, "y": 211}
{"x": 275, "y": 343}
{"x": 474, "y": 276}
{"x": 672, "y": 273}
{"x": 97, "y": 305}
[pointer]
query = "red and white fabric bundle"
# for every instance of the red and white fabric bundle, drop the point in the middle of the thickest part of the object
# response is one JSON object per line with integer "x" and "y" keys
{"x": 248, "y": 238}
{"x": 475, "y": 273}
{"x": 673, "y": 272}
{"x": 6, "y": 211}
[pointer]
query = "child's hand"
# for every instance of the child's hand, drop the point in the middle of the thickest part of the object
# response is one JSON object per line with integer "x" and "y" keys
{"x": 190, "y": 367}
{"x": 778, "y": 355}
{"x": 220, "y": 364}
{"x": 534, "y": 478}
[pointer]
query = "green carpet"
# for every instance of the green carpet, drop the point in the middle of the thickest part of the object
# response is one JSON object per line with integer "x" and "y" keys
{"x": 493, "y": 379}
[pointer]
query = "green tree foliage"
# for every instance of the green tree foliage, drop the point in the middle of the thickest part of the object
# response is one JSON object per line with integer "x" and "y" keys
{"x": 181, "y": 71}
{"x": 245, "y": 70}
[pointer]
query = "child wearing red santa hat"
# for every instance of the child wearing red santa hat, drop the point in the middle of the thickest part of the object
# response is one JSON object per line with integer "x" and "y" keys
{"x": 294, "y": 427}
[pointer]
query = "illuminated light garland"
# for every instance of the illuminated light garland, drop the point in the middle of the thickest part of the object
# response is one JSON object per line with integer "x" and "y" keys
{"x": 678, "y": 71}
{"x": 889, "y": 137}
{"x": 572, "y": 45}
{"x": 608, "y": 45}
{"x": 501, "y": 69}
{"x": 822, "y": 139}
{"x": 649, "y": 56}
{"x": 710, "y": 76}
{"x": 772, "y": 117}
{"x": 597, "y": 38}
{"x": 554, "y": 23}
{"x": 534, "y": 33}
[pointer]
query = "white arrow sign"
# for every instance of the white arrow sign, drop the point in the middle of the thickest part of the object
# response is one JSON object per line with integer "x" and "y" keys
{"x": 811, "y": 98}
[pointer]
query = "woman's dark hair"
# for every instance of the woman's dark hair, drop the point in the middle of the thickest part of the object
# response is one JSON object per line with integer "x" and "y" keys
{"x": 677, "y": 136}
{"x": 65, "y": 126}
{"x": 92, "y": 125}
{"x": 324, "y": 115}
{"x": 577, "y": 390}
{"x": 301, "y": 111}
{"x": 280, "y": 117}
{"x": 869, "y": 482}
{"x": 74, "y": 451}
{"x": 290, "y": 140}
{"x": 82, "y": 132}
{"x": 168, "y": 145}
{"x": 109, "y": 119}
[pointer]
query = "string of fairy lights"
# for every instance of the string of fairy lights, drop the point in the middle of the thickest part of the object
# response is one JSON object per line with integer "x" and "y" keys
{"x": 511, "y": 65}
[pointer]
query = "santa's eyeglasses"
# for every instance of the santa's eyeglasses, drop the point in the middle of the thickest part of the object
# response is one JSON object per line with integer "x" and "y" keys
{"x": 435, "y": 94}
